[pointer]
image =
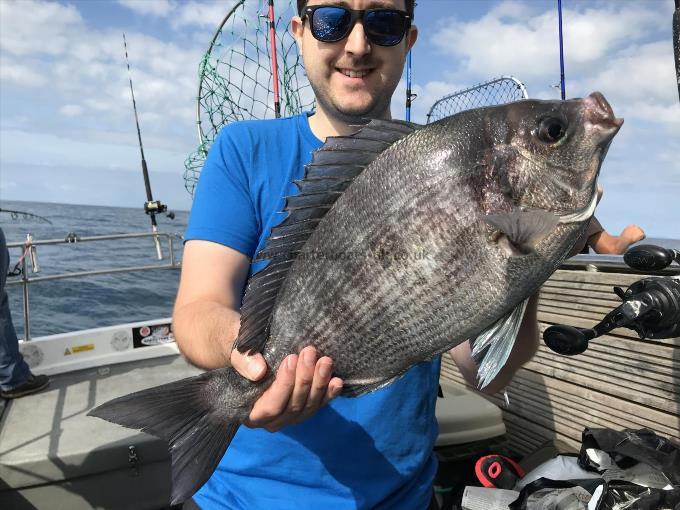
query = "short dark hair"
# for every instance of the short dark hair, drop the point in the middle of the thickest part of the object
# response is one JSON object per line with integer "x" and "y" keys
{"x": 410, "y": 5}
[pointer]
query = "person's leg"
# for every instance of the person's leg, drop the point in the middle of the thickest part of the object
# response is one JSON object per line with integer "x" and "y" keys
{"x": 13, "y": 368}
{"x": 16, "y": 379}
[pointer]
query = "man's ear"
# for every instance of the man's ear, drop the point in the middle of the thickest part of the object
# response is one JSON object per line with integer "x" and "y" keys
{"x": 411, "y": 37}
{"x": 297, "y": 28}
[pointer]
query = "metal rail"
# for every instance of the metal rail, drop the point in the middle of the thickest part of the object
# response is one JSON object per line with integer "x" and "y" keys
{"x": 30, "y": 252}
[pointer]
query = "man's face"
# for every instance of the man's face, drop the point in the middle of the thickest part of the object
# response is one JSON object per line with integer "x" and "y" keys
{"x": 353, "y": 78}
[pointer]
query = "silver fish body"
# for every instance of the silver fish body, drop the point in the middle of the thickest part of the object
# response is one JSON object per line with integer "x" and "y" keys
{"x": 404, "y": 242}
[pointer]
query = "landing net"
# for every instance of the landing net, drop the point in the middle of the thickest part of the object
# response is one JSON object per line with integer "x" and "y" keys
{"x": 505, "y": 89}
{"x": 235, "y": 75}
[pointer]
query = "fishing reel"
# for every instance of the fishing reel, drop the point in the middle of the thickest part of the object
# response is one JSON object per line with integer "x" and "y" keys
{"x": 650, "y": 306}
{"x": 157, "y": 207}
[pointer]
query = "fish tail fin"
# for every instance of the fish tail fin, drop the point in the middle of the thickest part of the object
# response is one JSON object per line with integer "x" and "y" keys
{"x": 183, "y": 414}
{"x": 492, "y": 346}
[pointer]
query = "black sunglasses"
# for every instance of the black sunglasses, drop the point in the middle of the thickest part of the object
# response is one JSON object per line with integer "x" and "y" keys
{"x": 332, "y": 23}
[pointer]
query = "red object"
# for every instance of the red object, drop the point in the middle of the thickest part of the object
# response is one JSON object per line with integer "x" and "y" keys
{"x": 498, "y": 472}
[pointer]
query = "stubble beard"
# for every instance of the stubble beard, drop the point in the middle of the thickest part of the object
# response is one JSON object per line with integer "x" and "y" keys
{"x": 379, "y": 108}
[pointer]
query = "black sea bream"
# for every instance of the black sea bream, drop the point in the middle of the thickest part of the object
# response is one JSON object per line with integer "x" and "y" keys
{"x": 403, "y": 242}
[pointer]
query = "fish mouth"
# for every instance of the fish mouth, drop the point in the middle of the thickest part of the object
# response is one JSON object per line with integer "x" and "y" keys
{"x": 598, "y": 115}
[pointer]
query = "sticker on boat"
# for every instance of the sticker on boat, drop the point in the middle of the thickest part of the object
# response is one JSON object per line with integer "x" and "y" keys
{"x": 146, "y": 336}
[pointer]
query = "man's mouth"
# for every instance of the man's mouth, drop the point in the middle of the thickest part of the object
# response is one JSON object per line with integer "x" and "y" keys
{"x": 355, "y": 73}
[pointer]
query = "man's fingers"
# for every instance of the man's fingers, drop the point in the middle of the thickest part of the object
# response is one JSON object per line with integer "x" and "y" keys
{"x": 275, "y": 400}
{"x": 319, "y": 388}
{"x": 251, "y": 367}
{"x": 304, "y": 375}
{"x": 334, "y": 389}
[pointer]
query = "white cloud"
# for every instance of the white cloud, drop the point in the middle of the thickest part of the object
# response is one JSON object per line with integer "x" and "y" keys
{"x": 71, "y": 110}
{"x": 510, "y": 39}
{"x": 610, "y": 47}
{"x": 12, "y": 73}
{"x": 202, "y": 14}
{"x": 154, "y": 7}
{"x": 20, "y": 17}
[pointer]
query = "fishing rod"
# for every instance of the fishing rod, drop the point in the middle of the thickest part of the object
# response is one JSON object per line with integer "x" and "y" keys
{"x": 275, "y": 65}
{"x": 676, "y": 42}
{"x": 409, "y": 96}
{"x": 559, "y": 17}
{"x": 25, "y": 215}
{"x": 151, "y": 206}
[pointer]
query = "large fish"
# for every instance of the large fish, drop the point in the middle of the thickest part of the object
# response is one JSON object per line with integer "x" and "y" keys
{"x": 403, "y": 242}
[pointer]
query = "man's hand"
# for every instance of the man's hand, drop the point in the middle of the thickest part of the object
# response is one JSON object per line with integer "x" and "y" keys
{"x": 302, "y": 386}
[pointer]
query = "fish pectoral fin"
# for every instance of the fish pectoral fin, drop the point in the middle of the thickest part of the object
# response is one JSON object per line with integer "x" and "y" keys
{"x": 523, "y": 230}
{"x": 492, "y": 346}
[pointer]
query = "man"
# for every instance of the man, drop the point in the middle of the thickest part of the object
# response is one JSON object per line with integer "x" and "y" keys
{"x": 374, "y": 451}
{"x": 16, "y": 379}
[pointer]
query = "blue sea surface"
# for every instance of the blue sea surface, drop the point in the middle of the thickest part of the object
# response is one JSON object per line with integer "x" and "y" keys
{"x": 74, "y": 304}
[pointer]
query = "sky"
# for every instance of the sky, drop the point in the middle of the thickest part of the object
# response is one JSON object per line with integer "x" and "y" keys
{"x": 67, "y": 131}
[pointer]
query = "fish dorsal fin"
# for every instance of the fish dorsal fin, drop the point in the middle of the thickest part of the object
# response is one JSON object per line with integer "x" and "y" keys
{"x": 333, "y": 168}
{"x": 524, "y": 230}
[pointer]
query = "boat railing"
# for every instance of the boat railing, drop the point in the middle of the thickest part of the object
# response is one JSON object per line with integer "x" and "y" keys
{"x": 29, "y": 256}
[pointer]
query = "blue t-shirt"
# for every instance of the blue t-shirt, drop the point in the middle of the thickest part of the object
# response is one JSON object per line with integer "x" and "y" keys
{"x": 370, "y": 452}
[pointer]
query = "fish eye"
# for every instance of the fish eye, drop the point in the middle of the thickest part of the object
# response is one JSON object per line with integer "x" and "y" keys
{"x": 551, "y": 129}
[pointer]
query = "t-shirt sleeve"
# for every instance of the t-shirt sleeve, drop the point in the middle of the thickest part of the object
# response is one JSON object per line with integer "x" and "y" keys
{"x": 581, "y": 246}
{"x": 223, "y": 211}
{"x": 594, "y": 227}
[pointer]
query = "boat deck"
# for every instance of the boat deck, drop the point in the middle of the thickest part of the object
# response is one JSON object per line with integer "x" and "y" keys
{"x": 47, "y": 439}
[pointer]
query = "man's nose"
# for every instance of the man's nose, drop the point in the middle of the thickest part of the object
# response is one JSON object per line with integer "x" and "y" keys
{"x": 357, "y": 43}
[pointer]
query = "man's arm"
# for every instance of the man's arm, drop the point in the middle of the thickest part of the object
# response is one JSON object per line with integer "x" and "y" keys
{"x": 524, "y": 349}
{"x": 206, "y": 321}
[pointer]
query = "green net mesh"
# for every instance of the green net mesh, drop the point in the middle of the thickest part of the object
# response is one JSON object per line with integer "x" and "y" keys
{"x": 235, "y": 75}
{"x": 498, "y": 91}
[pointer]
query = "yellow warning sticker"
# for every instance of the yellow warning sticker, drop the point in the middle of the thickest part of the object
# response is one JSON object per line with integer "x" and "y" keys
{"x": 83, "y": 348}
{"x": 67, "y": 352}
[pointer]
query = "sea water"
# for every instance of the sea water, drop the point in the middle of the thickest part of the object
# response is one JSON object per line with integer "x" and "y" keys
{"x": 73, "y": 304}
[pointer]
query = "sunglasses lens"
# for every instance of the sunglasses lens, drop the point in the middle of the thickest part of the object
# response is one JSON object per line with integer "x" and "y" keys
{"x": 385, "y": 27}
{"x": 330, "y": 23}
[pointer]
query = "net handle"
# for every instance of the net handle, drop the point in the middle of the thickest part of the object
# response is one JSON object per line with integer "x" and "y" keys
{"x": 201, "y": 140}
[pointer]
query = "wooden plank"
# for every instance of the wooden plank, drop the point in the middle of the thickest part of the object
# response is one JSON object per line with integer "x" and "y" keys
{"x": 601, "y": 278}
{"x": 579, "y": 287}
{"x": 577, "y": 396}
{"x": 599, "y": 366}
{"x": 574, "y": 396}
{"x": 556, "y": 416}
{"x": 611, "y": 386}
{"x": 526, "y": 439}
{"x": 568, "y": 297}
{"x": 591, "y": 310}
{"x": 527, "y": 400}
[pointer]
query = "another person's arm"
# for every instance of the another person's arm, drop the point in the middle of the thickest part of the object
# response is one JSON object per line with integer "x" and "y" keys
{"x": 524, "y": 349}
{"x": 206, "y": 321}
{"x": 605, "y": 243}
